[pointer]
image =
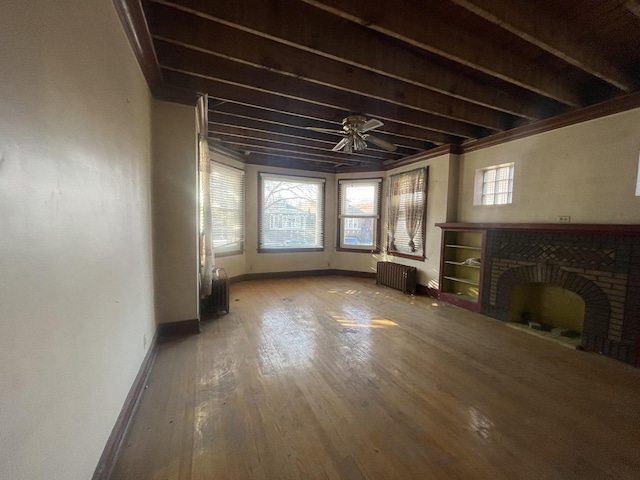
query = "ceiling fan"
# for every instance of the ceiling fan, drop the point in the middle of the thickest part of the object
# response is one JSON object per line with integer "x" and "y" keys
{"x": 354, "y": 129}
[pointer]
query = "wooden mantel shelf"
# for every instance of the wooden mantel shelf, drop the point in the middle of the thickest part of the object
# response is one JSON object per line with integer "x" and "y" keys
{"x": 604, "y": 228}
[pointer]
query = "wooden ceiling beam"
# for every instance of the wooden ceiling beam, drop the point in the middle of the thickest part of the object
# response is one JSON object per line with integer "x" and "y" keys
{"x": 455, "y": 44}
{"x": 301, "y": 132}
{"x": 266, "y": 159}
{"x": 301, "y": 26}
{"x": 293, "y": 144}
{"x": 200, "y": 64}
{"x": 324, "y": 118}
{"x": 247, "y": 147}
{"x": 197, "y": 33}
{"x": 550, "y": 33}
{"x": 296, "y": 140}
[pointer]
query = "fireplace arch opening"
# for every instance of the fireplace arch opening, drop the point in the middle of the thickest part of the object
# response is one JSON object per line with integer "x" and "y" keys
{"x": 548, "y": 308}
{"x": 596, "y": 304}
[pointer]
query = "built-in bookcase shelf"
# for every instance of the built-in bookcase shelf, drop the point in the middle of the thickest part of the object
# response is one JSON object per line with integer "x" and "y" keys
{"x": 461, "y": 267}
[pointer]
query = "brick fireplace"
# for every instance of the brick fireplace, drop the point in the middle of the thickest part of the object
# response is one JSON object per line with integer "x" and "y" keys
{"x": 600, "y": 263}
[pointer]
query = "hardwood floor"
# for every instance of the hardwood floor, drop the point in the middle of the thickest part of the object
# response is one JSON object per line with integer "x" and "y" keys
{"x": 336, "y": 378}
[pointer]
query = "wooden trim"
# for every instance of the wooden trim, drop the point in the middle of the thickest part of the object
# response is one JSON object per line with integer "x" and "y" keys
{"x": 109, "y": 455}
{"x": 175, "y": 95}
{"x": 603, "y": 109}
{"x": 546, "y": 227}
{"x": 184, "y": 327}
{"x": 428, "y": 291}
{"x": 302, "y": 273}
{"x": 135, "y": 27}
{"x": 450, "y": 149}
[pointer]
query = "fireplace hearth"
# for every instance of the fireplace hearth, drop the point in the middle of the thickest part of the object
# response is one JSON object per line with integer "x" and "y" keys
{"x": 599, "y": 263}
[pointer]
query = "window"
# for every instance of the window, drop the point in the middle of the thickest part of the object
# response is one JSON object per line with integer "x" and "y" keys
{"x": 227, "y": 209}
{"x": 291, "y": 213}
{"x": 407, "y": 207}
{"x": 494, "y": 185}
{"x": 359, "y": 214}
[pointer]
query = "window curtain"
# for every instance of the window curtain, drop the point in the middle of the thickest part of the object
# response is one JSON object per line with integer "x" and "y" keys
{"x": 394, "y": 209}
{"x": 414, "y": 204}
{"x": 207, "y": 257}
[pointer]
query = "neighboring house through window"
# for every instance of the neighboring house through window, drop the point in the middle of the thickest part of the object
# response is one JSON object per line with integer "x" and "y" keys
{"x": 359, "y": 214}
{"x": 407, "y": 209}
{"x": 291, "y": 213}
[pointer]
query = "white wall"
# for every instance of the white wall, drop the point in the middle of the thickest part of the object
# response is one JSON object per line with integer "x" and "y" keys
{"x": 76, "y": 299}
{"x": 587, "y": 171}
{"x": 175, "y": 212}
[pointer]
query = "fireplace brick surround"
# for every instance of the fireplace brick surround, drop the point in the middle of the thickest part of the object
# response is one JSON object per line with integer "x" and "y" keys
{"x": 600, "y": 263}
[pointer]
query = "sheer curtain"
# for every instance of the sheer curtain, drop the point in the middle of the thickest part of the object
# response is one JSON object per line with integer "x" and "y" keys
{"x": 207, "y": 257}
{"x": 394, "y": 209}
{"x": 414, "y": 204}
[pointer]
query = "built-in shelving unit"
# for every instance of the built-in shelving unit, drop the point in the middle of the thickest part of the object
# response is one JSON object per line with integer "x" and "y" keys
{"x": 461, "y": 266}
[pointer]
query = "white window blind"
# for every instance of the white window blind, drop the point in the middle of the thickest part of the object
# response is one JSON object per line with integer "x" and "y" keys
{"x": 291, "y": 213}
{"x": 497, "y": 185}
{"x": 227, "y": 209}
{"x": 359, "y": 213}
{"x": 407, "y": 209}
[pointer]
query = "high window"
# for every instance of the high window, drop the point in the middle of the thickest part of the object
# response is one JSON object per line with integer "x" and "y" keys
{"x": 494, "y": 185}
{"x": 407, "y": 208}
{"x": 227, "y": 209}
{"x": 291, "y": 213}
{"x": 359, "y": 214}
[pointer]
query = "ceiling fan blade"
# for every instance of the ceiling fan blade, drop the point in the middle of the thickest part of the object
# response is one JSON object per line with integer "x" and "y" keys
{"x": 325, "y": 130}
{"x": 342, "y": 143}
{"x": 390, "y": 147}
{"x": 370, "y": 125}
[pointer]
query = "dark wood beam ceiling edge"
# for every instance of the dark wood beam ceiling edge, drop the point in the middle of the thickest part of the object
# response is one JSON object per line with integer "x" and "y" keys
{"x": 574, "y": 117}
{"x": 137, "y": 32}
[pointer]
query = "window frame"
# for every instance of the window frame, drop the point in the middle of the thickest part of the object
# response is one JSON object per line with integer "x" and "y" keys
{"x": 478, "y": 190}
{"x": 239, "y": 250}
{"x": 321, "y": 181}
{"x": 377, "y": 182}
{"x": 419, "y": 256}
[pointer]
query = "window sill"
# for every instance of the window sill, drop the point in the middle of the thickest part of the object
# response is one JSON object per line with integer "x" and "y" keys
{"x": 358, "y": 250}
{"x": 289, "y": 250}
{"x": 417, "y": 258}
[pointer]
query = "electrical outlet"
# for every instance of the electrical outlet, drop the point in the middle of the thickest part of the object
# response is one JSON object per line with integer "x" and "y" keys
{"x": 564, "y": 219}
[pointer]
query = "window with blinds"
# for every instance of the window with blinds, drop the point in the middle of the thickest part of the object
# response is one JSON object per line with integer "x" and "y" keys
{"x": 494, "y": 185}
{"x": 227, "y": 209}
{"x": 291, "y": 213}
{"x": 359, "y": 214}
{"x": 407, "y": 203}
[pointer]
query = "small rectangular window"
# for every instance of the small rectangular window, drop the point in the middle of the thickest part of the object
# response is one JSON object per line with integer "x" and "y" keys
{"x": 359, "y": 214}
{"x": 494, "y": 185}
{"x": 291, "y": 213}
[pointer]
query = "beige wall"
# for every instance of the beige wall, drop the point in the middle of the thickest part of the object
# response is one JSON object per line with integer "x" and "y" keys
{"x": 285, "y": 262}
{"x": 175, "y": 212}
{"x": 438, "y": 210}
{"x": 76, "y": 299}
{"x": 587, "y": 171}
{"x": 442, "y": 194}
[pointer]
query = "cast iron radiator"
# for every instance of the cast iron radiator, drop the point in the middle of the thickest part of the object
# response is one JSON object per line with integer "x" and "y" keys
{"x": 219, "y": 298}
{"x": 398, "y": 276}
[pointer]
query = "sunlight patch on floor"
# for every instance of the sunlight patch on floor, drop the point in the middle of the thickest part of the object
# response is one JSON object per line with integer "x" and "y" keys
{"x": 362, "y": 323}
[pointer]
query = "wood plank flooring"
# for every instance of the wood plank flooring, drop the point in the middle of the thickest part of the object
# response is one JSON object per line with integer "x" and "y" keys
{"x": 337, "y": 378}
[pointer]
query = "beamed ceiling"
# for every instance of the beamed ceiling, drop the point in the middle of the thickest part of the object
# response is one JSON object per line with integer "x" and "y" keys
{"x": 439, "y": 74}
